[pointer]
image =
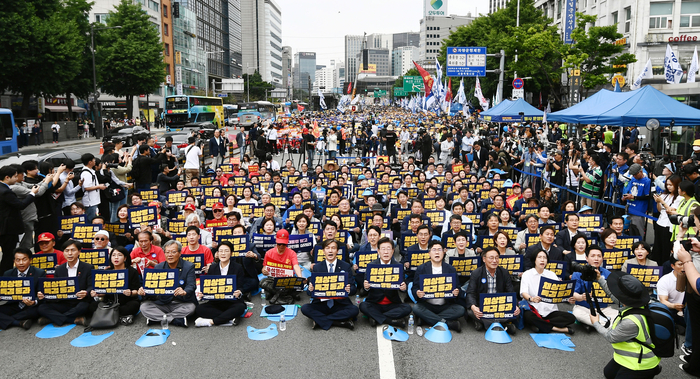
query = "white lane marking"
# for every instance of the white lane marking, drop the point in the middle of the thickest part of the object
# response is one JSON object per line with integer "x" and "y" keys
{"x": 387, "y": 370}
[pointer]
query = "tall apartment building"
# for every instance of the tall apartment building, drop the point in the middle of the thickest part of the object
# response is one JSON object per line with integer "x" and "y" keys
{"x": 262, "y": 39}
{"x": 402, "y": 59}
{"x": 433, "y": 29}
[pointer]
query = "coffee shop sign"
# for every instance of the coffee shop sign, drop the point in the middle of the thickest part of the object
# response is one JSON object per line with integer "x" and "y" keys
{"x": 682, "y": 38}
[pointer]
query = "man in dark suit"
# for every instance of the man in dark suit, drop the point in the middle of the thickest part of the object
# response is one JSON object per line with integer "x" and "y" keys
{"x": 385, "y": 306}
{"x": 21, "y": 313}
{"x": 433, "y": 311}
{"x": 73, "y": 311}
{"x": 489, "y": 278}
{"x": 481, "y": 157}
{"x": 554, "y": 252}
{"x": 563, "y": 238}
{"x": 336, "y": 311}
{"x": 182, "y": 302}
{"x": 217, "y": 149}
{"x": 10, "y": 217}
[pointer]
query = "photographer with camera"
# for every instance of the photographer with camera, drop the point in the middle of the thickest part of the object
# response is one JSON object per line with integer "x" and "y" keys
{"x": 690, "y": 262}
{"x": 141, "y": 166}
{"x": 584, "y": 298}
{"x": 636, "y": 195}
{"x": 681, "y": 218}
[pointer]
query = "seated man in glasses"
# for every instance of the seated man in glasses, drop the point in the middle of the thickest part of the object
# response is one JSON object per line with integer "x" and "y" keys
{"x": 219, "y": 219}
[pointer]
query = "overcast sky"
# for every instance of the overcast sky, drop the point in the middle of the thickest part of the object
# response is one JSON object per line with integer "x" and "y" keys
{"x": 319, "y": 26}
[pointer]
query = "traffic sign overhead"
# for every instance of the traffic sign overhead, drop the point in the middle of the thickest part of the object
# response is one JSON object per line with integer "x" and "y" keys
{"x": 466, "y": 61}
{"x": 413, "y": 84}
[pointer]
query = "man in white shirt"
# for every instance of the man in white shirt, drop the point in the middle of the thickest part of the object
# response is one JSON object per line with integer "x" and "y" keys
{"x": 55, "y": 128}
{"x": 91, "y": 187}
{"x": 467, "y": 144}
{"x": 446, "y": 149}
{"x": 666, "y": 289}
{"x": 192, "y": 156}
{"x": 405, "y": 137}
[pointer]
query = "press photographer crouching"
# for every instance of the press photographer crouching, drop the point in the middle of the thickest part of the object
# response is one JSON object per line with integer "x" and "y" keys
{"x": 585, "y": 297}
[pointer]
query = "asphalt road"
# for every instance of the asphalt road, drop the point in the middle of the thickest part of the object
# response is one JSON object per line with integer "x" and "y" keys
{"x": 300, "y": 352}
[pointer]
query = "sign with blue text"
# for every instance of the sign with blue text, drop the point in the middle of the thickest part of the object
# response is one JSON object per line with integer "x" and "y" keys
{"x": 466, "y": 61}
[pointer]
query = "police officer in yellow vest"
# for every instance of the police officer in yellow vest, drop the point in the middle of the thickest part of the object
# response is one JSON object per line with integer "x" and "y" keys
{"x": 630, "y": 359}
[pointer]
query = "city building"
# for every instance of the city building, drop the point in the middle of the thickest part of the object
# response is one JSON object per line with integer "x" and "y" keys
{"x": 189, "y": 60}
{"x": 287, "y": 67}
{"x": 304, "y": 63}
{"x": 353, "y": 45}
{"x": 378, "y": 62}
{"x": 330, "y": 79}
{"x": 406, "y": 39}
{"x": 647, "y": 27}
{"x": 402, "y": 59}
{"x": 217, "y": 36}
{"x": 262, "y": 39}
{"x": 433, "y": 29}
{"x": 495, "y": 5}
{"x": 161, "y": 18}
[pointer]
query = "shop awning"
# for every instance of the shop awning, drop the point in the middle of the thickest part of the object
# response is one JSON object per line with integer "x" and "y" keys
{"x": 64, "y": 109}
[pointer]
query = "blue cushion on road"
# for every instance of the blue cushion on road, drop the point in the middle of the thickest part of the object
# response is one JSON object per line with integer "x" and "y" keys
{"x": 51, "y": 331}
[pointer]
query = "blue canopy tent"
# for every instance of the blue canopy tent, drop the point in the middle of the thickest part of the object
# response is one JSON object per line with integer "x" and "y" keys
{"x": 491, "y": 111}
{"x": 511, "y": 112}
{"x": 629, "y": 109}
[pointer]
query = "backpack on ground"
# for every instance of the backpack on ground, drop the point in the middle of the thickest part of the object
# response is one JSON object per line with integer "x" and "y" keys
{"x": 662, "y": 329}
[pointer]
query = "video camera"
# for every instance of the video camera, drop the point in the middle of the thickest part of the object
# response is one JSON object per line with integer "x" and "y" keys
{"x": 683, "y": 221}
{"x": 588, "y": 272}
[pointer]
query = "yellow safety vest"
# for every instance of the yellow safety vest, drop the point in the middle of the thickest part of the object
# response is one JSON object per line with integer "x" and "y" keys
{"x": 685, "y": 209}
{"x": 627, "y": 354}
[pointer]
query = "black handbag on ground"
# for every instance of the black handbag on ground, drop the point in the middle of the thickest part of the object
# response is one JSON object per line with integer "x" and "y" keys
{"x": 106, "y": 315}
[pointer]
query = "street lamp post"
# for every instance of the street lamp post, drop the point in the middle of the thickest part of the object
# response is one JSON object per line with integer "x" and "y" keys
{"x": 95, "y": 95}
{"x": 206, "y": 70}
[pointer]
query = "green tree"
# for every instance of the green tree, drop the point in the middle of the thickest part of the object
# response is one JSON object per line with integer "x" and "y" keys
{"x": 594, "y": 51}
{"x": 258, "y": 87}
{"x": 130, "y": 59}
{"x": 41, "y": 49}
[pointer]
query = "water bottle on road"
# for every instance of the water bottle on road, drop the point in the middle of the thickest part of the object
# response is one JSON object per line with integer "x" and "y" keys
{"x": 410, "y": 324}
{"x": 262, "y": 297}
{"x": 164, "y": 323}
{"x": 283, "y": 323}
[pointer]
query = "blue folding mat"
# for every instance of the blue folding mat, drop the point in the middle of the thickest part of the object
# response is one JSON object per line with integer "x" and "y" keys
{"x": 290, "y": 311}
{"x": 153, "y": 337}
{"x": 557, "y": 341}
{"x": 51, "y": 331}
{"x": 262, "y": 334}
{"x": 88, "y": 339}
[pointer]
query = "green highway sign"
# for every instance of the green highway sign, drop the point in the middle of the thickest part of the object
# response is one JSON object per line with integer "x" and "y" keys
{"x": 379, "y": 93}
{"x": 413, "y": 84}
{"x": 400, "y": 91}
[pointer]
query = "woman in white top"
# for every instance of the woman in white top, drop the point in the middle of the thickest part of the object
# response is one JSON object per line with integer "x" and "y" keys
{"x": 670, "y": 199}
{"x": 247, "y": 199}
{"x": 543, "y": 317}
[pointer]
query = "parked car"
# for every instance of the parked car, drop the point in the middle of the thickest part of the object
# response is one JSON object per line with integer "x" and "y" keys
{"x": 56, "y": 157}
{"x": 128, "y": 134}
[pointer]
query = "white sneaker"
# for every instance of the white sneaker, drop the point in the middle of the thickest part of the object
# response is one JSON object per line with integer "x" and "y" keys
{"x": 201, "y": 322}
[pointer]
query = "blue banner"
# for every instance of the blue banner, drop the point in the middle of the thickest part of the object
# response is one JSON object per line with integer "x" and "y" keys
{"x": 218, "y": 287}
{"x": 110, "y": 281}
{"x": 465, "y": 265}
{"x": 289, "y": 282}
{"x": 16, "y": 289}
{"x": 59, "y": 288}
{"x": 385, "y": 276}
{"x": 363, "y": 258}
{"x": 160, "y": 281}
{"x": 438, "y": 286}
{"x": 301, "y": 243}
{"x": 98, "y": 258}
{"x": 329, "y": 284}
{"x": 197, "y": 260}
{"x": 264, "y": 242}
{"x": 496, "y": 306}
{"x": 142, "y": 217}
{"x": 46, "y": 262}
{"x": 569, "y": 20}
{"x": 555, "y": 291}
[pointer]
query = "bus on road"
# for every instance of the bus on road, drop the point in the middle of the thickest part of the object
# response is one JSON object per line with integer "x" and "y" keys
{"x": 181, "y": 110}
{"x": 258, "y": 111}
{"x": 8, "y": 138}
{"x": 230, "y": 114}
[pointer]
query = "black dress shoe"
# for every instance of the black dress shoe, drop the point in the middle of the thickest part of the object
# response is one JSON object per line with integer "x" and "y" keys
{"x": 43, "y": 321}
{"x": 478, "y": 325}
{"x": 510, "y": 328}
{"x": 348, "y": 324}
{"x": 313, "y": 325}
{"x": 399, "y": 323}
{"x": 455, "y": 325}
{"x": 26, "y": 324}
{"x": 372, "y": 322}
{"x": 236, "y": 321}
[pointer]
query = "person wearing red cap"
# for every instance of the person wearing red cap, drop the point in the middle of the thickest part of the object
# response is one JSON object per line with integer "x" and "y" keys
{"x": 517, "y": 195}
{"x": 47, "y": 241}
{"x": 219, "y": 220}
{"x": 280, "y": 261}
